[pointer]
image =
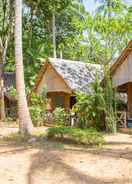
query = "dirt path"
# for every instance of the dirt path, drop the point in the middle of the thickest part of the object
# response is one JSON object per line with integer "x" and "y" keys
{"x": 55, "y": 163}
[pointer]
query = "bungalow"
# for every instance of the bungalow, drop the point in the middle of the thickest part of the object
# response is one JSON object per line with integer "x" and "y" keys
{"x": 121, "y": 72}
{"x": 63, "y": 78}
{"x": 9, "y": 82}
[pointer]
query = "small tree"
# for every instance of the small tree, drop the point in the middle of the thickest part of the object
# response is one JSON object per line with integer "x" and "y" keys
{"x": 91, "y": 107}
{"x": 110, "y": 102}
{"x": 98, "y": 108}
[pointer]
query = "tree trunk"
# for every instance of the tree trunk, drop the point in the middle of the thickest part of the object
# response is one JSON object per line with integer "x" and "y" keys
{"x": 54, "y": 34}
{"x": 61, "y": 54}
{"x": 2, "y": 101}
{"x": 25, "y": 122}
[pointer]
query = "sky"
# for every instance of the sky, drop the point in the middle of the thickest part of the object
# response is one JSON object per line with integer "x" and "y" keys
{"x": 91, "y": 5}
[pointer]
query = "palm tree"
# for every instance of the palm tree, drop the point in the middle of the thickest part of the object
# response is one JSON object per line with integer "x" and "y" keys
{"x": 54, "y": 34}
{"x": 25, "y": 122}
{"x": 2, "y": 102}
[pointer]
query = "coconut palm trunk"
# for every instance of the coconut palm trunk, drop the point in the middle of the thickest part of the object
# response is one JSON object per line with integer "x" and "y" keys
{"x": 25, "y": 122}
{"x": 2, "y": 101}
{"x": 54, "y": 34}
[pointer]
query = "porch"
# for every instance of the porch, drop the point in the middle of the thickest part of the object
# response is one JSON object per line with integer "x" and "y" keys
{"x": 60, "y": 99}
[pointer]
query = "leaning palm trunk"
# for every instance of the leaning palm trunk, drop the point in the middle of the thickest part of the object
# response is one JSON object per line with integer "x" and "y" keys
{"x": 25, "y": 122}
{"x": 2, "y": 102}
{"x": 2, "y": 60}
{"x": 54, "y": 34}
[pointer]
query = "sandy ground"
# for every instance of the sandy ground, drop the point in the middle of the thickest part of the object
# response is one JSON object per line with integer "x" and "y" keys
{"x": 54, "y": 163}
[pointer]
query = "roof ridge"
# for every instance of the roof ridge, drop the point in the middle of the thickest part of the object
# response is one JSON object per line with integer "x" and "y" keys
{"x": 72, "y": 61}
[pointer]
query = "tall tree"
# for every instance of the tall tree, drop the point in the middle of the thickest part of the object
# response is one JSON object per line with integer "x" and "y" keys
{"x": 23, "y": 112}
{"x": 54, "y": 34}
{"x": 38, "y": 33}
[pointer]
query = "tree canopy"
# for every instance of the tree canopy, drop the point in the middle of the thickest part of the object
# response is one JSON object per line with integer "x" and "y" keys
{"x": 80, "y": 35}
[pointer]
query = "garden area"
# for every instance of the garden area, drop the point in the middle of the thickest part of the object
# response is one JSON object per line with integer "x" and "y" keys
{"x": 77, "y": 147}
{"x": 65, "y": 92}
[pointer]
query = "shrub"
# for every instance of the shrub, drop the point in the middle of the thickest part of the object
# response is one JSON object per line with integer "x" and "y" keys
{"x": 37, "y": 108}
{"x": 90, "y": 107}
{"x": 60, "y": 116}
{"x": 11, "y": 112}
{"x": 84, "y": 136}
{"x": 13, "y": 92}
{"x": 36, "y": 115}
{"x": 97, "y": 109}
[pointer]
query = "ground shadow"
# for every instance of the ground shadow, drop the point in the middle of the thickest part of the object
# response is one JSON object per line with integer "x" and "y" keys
{"x": 52, "y": 161}
{"x": 107, "y": 152}
{"x": 118, "y": 143}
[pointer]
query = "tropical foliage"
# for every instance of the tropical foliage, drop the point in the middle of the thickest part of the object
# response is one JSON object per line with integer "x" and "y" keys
{"x": 37, "y": 108}
{"x": 97, "y": 109}
{"x": 96, "y": 38}
{"x": 60, "y": 117}
{"x": 67, "y": 28}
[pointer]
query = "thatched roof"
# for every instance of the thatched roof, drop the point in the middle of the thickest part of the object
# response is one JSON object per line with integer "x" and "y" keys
{"x": 76, "y": 74}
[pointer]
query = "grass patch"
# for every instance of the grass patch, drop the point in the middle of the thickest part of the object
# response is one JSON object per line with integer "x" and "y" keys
{"x": 36, "y": 138}
{"x": 81, "y": 136}
{"x": 17, "y": 138}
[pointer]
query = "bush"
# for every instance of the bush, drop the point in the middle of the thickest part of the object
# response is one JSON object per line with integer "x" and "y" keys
{"x": 90, "y": 107}
{"x": 11, "y": 112}
{"x": 84, "y": 136}
{"x": 97, "y": 109}
{"x": 36, "y": 115}
{"x": 37, "y": 109}
{"x": 60, "y": 116}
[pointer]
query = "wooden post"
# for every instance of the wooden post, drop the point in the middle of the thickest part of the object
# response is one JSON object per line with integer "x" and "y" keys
{"x": 50, "y": 105}
{"x": 67, "y": 102}
{"x": 129, "y": 93}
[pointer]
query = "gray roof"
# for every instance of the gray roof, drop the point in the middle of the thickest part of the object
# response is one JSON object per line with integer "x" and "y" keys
{"x": 77, "y": 74}
{"x": 9, "y": 82}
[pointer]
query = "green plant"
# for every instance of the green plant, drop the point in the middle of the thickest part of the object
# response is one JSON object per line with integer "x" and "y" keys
{"x": 90, "y": 107}
{"x": 11, "y": 112}
{"x": 97, "y": 109}
{"x": 110, "y": 102}
{"x": 84, "y": 136}
{"x": 37, "y": 108}
{"x": 60, "y": 116}
{"x": 36, "y": 114}
{"x": 13, "y": 92}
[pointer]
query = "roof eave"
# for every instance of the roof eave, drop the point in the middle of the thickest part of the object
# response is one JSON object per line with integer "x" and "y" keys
{"x": 124, "y": 54}
{"x": 43, "y": 70}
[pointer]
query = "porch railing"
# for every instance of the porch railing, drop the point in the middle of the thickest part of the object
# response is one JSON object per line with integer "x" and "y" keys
{"x": 122, "y": 119}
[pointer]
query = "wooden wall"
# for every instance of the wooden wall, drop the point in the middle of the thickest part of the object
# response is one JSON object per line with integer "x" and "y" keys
{"x": 123, "y": 73}
{"x": 53, "y": 82}
{"x": 129, "y": 92}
